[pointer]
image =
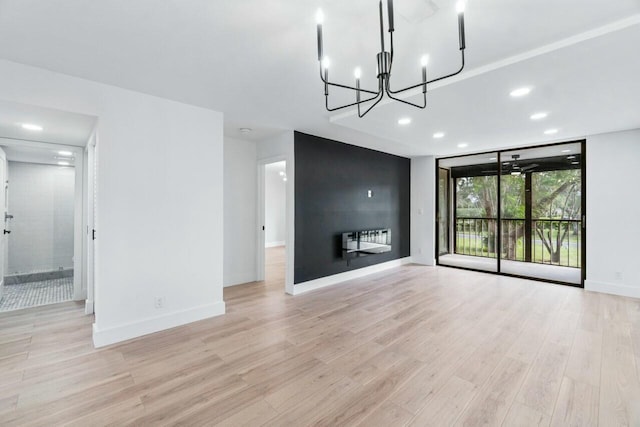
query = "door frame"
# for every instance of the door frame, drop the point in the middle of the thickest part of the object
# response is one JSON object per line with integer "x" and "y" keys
{"x": 583, "y": 189}
{"x": 261, "y": 214}
{"x": 80, "y": 199}
{"x": 89, "y": 216}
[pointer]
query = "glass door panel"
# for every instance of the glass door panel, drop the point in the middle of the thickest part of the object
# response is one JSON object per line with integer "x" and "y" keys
{"x": 541, "y": 217}
{"x": 443, "y": 211}
{"x": 473, "y": 229}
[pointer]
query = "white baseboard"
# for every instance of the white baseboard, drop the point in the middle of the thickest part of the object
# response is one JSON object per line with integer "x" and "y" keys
{"x": 300, "y": 288}
{"x": 88, "y": 306}
{"x": 423, "y": 260}
{"x": 240, "y": 279}
{"x": 274, "y": 244}
{"x": 104, "y": 337}
{"x": 611, "y": 288}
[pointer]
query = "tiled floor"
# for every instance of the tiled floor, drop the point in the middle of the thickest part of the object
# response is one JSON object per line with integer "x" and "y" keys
{"x": 15, "y": 297}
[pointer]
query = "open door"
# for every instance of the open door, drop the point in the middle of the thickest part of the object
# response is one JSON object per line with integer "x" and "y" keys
{"x": 90, "y": 236}
{"x": 3, "y": 215}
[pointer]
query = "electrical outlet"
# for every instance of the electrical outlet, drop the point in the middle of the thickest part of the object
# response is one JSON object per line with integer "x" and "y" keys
{"x": 618, "y": 275}
{"x": 419, "y": 250}
{"x": 159, "y": 302}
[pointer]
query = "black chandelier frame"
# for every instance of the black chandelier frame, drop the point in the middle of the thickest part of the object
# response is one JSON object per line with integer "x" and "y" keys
{"x": 384, "y": 67}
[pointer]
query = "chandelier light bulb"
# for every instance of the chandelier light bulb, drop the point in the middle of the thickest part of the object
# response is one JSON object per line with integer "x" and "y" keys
{"x": 460, "y": 6}
{"x": 424, "y": 60}
{"x": 320, "y": 17}
{"x": 326, "y": 62}
{"x": 357, "y": 72}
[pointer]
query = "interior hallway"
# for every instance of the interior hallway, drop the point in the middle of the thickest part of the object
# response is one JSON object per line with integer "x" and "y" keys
{"x": 414, "y": 345}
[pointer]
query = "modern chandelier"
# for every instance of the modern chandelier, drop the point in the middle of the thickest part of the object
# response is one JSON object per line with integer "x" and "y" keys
{"x": 384, "y": 60}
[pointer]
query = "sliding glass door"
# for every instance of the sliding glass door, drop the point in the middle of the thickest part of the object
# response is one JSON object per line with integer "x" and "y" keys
{"x": 542, "y": 212}
{"x": 473, "y": 184}
{"x": 444, "y": 203}
{"x": 516, "y": 212}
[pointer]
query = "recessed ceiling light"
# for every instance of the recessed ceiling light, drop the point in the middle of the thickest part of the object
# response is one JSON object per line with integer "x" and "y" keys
{"x": 65, "y": 153}
{"x": 522, "y": 91}
{"x": 245, "y": 130}
{"x": 463, "y": 145}
{"x": 31, "y": 126}
{"x": 539, "y": 116}
{"x": 493, "y": 158}
{"x": 404, "y": 121}
{"x": 571, "y": 157}
{"x": 63, "y": 163}
{"x": 575, "y": 163}
{"x": 438, "y": 135}
{"x": 566, "y": 151}
{"x": 551, "y": 131}
{"x": 284, "y": 179}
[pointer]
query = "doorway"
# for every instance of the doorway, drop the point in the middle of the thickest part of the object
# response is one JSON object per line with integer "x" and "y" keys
{"x": 46, "y": 192}
{"x": 515, "y": 212}
{"x": 39, "y": 234}
{"x": 274, "y": 229}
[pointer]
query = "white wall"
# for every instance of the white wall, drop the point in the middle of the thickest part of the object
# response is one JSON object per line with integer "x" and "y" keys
{"x": 240, "y": 194}
{"x": 423, "y": 210}
{"x": 160, "y": 196}
{"x": 41, "y": 200}
{"x": 613, "y": 210}
{"x": 275, "y": 206}
{"x": 278, "y": 148}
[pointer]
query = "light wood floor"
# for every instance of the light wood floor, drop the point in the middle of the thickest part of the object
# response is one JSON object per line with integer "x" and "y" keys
{"x": 413, "y": 346}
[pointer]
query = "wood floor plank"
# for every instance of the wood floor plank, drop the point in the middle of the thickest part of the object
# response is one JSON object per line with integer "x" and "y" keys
{"x": 414, "y": 345}
{"x": 577, "y": 405}
{"x": 388, "y": 414}
{"x": 492, "y": 403}
{"x": 522, "y": 416}
{"x": 542, "y": 385}
{"x": 619, "y": 387}
{"x": 443, "y": 407}
{"x": 585, "y": 360}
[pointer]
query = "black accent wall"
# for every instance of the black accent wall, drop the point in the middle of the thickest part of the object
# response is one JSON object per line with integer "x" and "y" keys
{"x": 331, "y": 184}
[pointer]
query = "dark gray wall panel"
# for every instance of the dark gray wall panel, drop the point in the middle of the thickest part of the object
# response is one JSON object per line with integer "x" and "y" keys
{"x": 331, "y": 184}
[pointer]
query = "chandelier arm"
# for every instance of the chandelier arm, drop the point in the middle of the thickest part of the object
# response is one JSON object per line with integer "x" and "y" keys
{"x": 348, "y": 105}
{"x": 380, "y": 96}
{"x": 431, "y": 81}
{"x": 345, "y": 86}
{"x": 452, "y": 74}
{"x": 424, "y": 102}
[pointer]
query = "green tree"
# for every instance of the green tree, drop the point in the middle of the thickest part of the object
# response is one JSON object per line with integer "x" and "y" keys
{"x": 555, "y": 195}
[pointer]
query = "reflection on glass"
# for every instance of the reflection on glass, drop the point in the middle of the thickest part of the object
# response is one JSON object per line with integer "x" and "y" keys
{"x": 443, "y": 211}
{"x": 361, "y": 243}
{"x": 541, "y": 213}
{"x": 473, "y": 226}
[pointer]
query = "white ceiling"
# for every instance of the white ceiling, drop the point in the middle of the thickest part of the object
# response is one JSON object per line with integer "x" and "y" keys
{"x": 528, "y": 153}
{"x": 276, "y": 167}
{"x": 58, "y": 127}
{"x": 21, "y": 153}
{"x": 256, "y": 62}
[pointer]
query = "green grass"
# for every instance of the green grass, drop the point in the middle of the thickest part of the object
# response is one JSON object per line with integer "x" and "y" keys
{"x": 472, "y": 245}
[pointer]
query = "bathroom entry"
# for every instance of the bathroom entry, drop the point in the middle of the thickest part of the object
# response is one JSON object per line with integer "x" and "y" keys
{"x": 275, "y": 228}
{"x": 38, "y": 236}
